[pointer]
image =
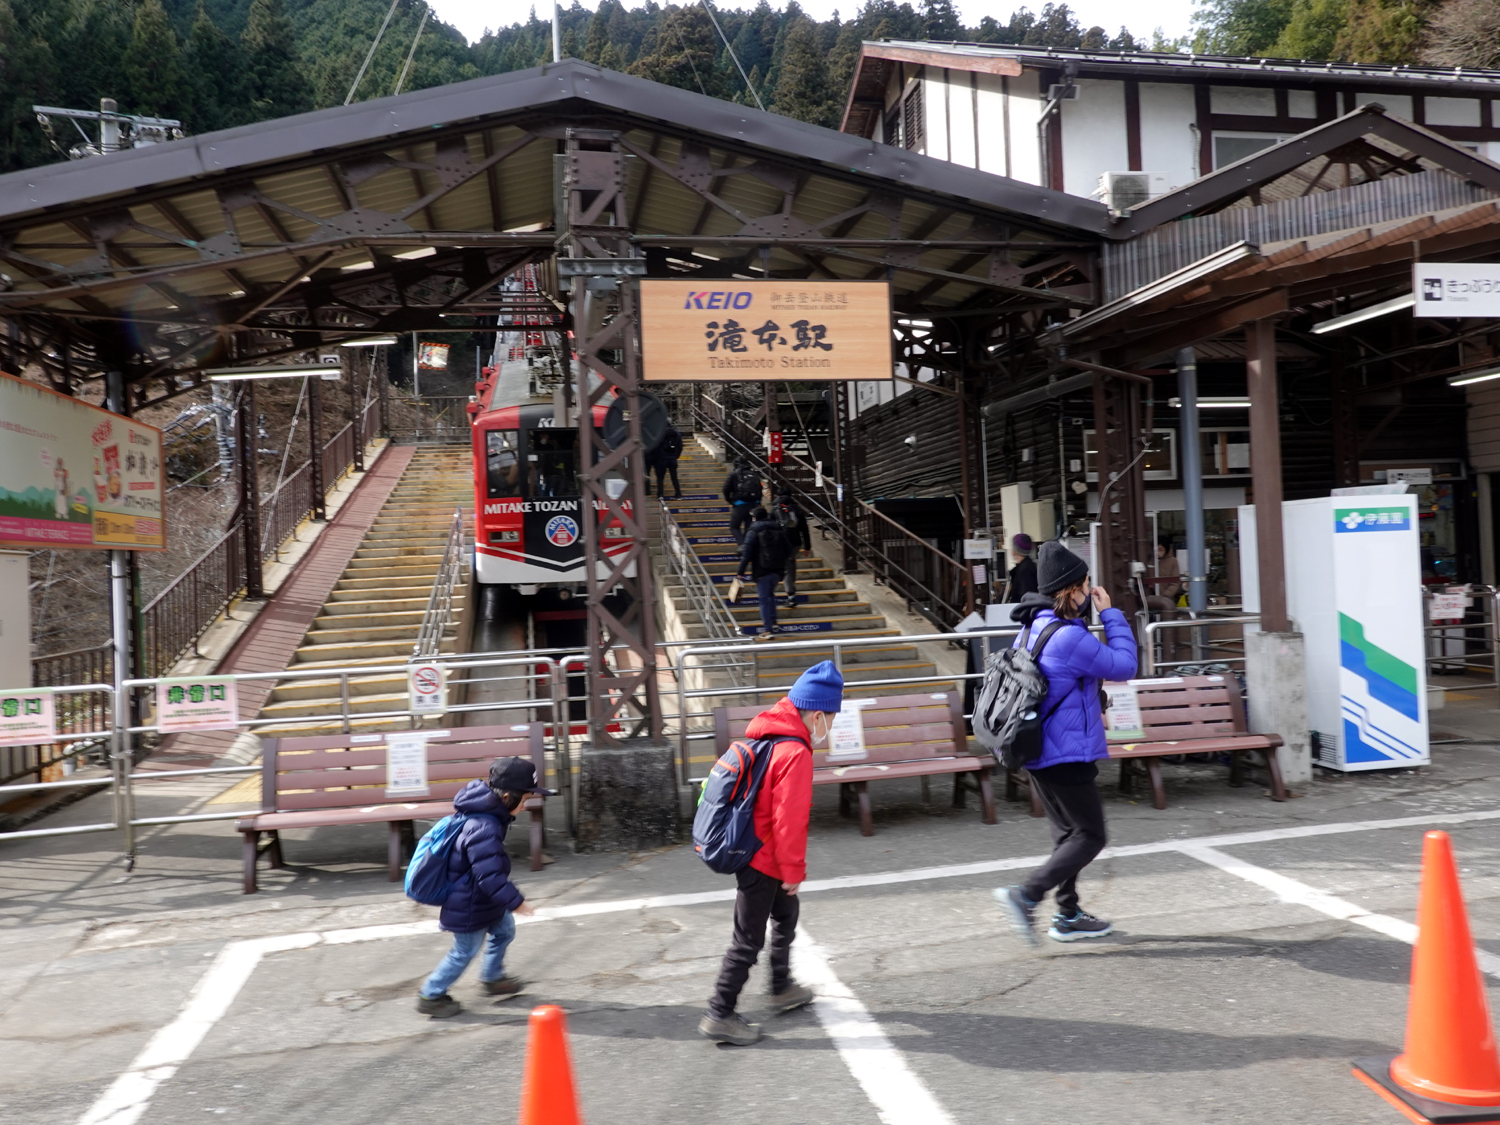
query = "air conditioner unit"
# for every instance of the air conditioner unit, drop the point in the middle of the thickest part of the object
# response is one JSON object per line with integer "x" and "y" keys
{"x": 1120, "y": 191}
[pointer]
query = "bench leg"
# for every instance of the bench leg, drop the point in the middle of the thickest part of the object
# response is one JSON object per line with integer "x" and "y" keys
{"x": 1236, "y": 769}
{"x": 1273, "y": 767}
{"x": 844, "y": 798}
{"x": 1158, "y": 790}
{"x": 273, "y": 851}
{"x": 1010, "y": 785}
{"x": 987, "y": 797}
{"x": 866, "y": 817}
{"x": 1125, "y": 778}
{"x": 536, "y": 839}
{"x": 252, "y": 853}
{"x": 393, "y": 852}
{"x": 960, "y": 798}
{"x": 926, "y": 790}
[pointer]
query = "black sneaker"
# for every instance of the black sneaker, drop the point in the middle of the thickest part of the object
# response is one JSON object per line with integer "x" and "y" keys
{"x": 438, "y": 1007}
{"x": 733, "y": 1029}
{"x": 505, "y": 986}
{"x": 1018, "y": 907}
{"x": 1080, "y": 927}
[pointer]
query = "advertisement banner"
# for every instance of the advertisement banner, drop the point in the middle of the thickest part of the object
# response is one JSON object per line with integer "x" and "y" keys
{"x": 27, "y": 717}
{"x": 73, "y": 475}
{"x": 197, "y": 703}
{"x": 765, "y": 330}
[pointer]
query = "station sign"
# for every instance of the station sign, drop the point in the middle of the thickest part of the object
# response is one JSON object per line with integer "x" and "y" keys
{"x": 73, "y": 475}
{"x": 1456, "y": 289}
{"x": 765, "y": 331}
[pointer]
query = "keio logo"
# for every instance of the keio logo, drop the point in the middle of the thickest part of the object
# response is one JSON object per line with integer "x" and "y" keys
{"x": 710, "y": 299}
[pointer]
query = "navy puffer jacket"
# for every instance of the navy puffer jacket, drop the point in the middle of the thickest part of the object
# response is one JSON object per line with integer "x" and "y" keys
{"x": 478, "y": 865}
{"x": 1074, "y": 663}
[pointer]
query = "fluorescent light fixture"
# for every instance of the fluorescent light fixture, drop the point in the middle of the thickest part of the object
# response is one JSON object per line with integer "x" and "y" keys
{"x": 1405, "y": 301}
{"x": 424, "y": 252}
{"x": 1209, "y": 402}
{"x": 1482, "y": 376}
{"x": 369, "y": 342}
{"x": 913, "y": 322}
{"x": 240, "y": 374}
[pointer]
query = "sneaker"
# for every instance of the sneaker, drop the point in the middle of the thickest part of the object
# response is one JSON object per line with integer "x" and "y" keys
{"x": 792, "y": 997}
{"x": 791, "y": 601}
{"x": 1019, "y": 908}
{"x": 1080, "y": 927}
{"x": 505, "y": 986}
{"x": 438, "y": 1007}
{"x": 733, "y": 1029}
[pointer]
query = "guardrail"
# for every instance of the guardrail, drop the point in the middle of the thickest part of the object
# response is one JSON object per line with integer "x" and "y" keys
{"x": 433, "y": 419}
{"x": 1462, "y": 646}
{"x": 1206, "y": 648}
{"x": 439, "y": 612}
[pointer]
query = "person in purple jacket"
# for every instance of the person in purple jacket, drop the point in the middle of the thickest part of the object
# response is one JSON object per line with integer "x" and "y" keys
{"x": 1073, "y": 739}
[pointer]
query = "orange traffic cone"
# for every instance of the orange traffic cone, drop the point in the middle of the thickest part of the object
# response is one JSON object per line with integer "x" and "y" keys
{"x": 547, "y": 1094}
{"x": 1450, "y": 1070}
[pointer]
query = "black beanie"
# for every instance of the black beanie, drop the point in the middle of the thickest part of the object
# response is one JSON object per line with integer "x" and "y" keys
{"x": 1057, "y": 568}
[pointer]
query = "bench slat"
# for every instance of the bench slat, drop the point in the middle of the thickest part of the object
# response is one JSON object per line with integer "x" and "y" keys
{"x": 860, "y": 771}
{"x": 438, "y": 751}
{"x": 919, "y": 752}
{"x": 376, "y": 775}
{"x": 324, "y": 818}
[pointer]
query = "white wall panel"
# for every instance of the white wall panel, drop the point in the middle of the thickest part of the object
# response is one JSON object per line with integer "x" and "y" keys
{"x": 1453, "y": 111}
{"x": 1024, "y": 106}
{"x": 991, "y": 111}
{"x": 961, "y": 119}
{"x": 1168, "y": 143}
{"x": 1093, "y": 135}
{"x": 1248, "y": 101}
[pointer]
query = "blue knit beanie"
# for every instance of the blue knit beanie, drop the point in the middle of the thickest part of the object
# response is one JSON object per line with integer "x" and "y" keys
{"x": 820, "y": 688}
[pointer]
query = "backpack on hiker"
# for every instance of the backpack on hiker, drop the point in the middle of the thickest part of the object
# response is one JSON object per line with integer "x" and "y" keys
{"x": 746, "y": 487}
{"x": 427, "y": 878}
{"x": 724, "y": 825}
{"x": 1007, "y": 719}
{"x": 772, "y": 548}
{"x": 788, "y": 517}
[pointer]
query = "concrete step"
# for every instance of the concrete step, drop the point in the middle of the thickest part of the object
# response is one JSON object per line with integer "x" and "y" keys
{"x": 392, "y": 651}
{"x": 335, "y": 726}
{"x": 333, "y": 705}
{"x": 894, "y": 653}
{"x": 354, "y": 589}
{"x": 853, "y": 673}
{"x": 423, "y": 549}
{"x": 817, "y": 610}
{"x": 316, "y": 689}
{"x": 399, "y": 630}
{"x": 395, "y": 564}
{"x": 417, "y": 605}
{"x": 366, "y": 578}
{"x": 809, "y": 630}
{"x": 326, "y": 623}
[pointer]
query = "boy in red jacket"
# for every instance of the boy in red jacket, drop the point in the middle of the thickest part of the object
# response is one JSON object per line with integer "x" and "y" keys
{"x": 768, "y": 886}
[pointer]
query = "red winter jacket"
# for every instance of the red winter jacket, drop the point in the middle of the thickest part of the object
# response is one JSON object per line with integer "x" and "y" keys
{"x": 785, "y": 799}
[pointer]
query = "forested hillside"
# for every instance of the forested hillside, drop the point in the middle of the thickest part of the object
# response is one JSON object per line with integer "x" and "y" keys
{"x": 219, "y": 63}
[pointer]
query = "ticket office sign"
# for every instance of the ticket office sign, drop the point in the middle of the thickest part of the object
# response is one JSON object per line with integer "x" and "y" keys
{"x": 73, "y": 475}
{"x": 765, "y": 330}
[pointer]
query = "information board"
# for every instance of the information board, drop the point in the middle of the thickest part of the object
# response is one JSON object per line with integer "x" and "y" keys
{"x": 406, "y": 764}
{"x": 197, "y": 703}
{"x": 73, "y": 475}
{"x": 765, "y": 330}
{"x": 27, "y": 717}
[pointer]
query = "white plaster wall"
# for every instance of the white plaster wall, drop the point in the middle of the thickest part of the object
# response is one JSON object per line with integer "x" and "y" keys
{"x": 1168, "y": 143}
{"x": 935, "y": 107}
{"x": 1093, "y": 135}
{"x": 1256, "y": 101}
{"x": 991, "y": 111}
{"x": 1302, "y": 103}
{"x": 1397, "y": 104}
{"x": 1024, "y": 105}
{"x": 961, "y": 119}
{"x": 1453, "y": 111}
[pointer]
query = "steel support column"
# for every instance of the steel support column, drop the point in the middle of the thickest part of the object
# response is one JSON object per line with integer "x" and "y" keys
{"x": 1345, "y": 411}
{"x": 1124, "y": 537}
{"x": 621, "y": 636}
{"x": 838, "y": 425}
{"x": 249, "y": 426}
{"x": 1265, "y": 472}
{"x": 356, "y": 408}
{"x": 315, "y": 445}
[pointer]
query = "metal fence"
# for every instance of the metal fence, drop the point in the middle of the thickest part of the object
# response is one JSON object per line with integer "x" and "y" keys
{"x": 79, "y": 711}
{"x": 432, "y": 419}
{"x": 439, "y": 612}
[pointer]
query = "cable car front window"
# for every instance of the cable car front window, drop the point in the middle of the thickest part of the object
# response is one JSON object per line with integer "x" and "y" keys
{"x": 553, "y": 458}
{"x": 502, "y": 467}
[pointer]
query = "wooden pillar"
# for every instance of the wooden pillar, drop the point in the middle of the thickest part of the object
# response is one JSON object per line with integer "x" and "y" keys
{"x": 1265, "y": 472}
{"x": 838, "y": 425}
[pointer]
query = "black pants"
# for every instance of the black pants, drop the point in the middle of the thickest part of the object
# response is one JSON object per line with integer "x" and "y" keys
{"x": 761, "y": 899}
{"x": 1070, "y": 798}
{"x": 661, "y": 480}
{"x": 739, "y": 520}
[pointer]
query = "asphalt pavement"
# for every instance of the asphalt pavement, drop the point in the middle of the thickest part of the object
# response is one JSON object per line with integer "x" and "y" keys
{"x": 1259, "y": 948}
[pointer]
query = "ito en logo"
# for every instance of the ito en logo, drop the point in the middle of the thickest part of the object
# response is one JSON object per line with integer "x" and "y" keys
{"x": 1372, "y": 519}
{"x": 562, "y": 531}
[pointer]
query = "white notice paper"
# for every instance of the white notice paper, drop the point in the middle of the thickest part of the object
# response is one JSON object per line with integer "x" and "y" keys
{"x": 1123, "y": 716}
{"x": 846, "y": 735}
{"x": 1447, "y": 607}
{"x": 406, "y": 764}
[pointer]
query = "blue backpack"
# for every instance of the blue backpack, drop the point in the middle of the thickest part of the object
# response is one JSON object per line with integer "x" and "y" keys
{"x": 724, "y": 825}
{"x": 427, "y": 878}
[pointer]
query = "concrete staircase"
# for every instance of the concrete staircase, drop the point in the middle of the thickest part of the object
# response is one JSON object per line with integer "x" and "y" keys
{"x": 376, "y": 608}
{"x": 826, "y": 604}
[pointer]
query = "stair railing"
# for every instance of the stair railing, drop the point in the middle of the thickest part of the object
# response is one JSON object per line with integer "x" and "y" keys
{"x": 702, "y": 595}
{"x": 439, "y": 612}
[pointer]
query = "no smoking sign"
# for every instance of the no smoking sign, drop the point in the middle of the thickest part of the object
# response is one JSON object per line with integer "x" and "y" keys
{"x": 426, "y": 689}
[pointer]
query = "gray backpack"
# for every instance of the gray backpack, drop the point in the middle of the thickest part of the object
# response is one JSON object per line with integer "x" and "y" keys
{"x": 1007, "y": 719}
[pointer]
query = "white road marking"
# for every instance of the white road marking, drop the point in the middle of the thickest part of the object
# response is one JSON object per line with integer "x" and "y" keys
{"x": 129, "y": 1095}
{"x": 1290, "y": 890}
{"x": 898, "y": 1095}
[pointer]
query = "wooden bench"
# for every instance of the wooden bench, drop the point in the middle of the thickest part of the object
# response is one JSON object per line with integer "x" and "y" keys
{"x": 1192, "y": 715}
{"x": 905, "y": 736}
{"x": 325, "y": 780}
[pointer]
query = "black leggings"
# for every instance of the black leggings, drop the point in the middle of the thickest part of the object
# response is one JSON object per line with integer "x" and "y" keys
{"x": 661, "y": 480}
{"x": 1070, "y": 798}
{"x": 761, "y": 899}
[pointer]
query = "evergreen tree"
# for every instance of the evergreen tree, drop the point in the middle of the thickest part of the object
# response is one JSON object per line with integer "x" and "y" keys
{"x": 803, "y": 90}
{"x": 1239, "y": 27}
{"x": 1312, "y": 32}
{"x": 940, "y": 21}
{"x": 276, "y": 81}
{"x": 684, "y": 53}
{"x": 1388, "y": 32}
{"x": 216, "y": 69}
{"x": 156, "y": 82}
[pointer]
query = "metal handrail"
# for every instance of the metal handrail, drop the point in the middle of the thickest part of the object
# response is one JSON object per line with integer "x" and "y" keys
{"x": 696, "y": 582}
{"x": 439, "y": 610}
{"x": 1150, "y": 665}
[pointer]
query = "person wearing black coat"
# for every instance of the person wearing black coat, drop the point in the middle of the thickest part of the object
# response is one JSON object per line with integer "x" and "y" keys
{"x": 742, "y": 493}
{"x": 664, "y": 460}
{"x": 768, "y": 552}
{"x": 786, "y": 506}
{"x": 483, "y": 902}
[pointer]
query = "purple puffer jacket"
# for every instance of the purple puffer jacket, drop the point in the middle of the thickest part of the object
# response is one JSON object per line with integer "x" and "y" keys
{"x": 1074, "y": 663}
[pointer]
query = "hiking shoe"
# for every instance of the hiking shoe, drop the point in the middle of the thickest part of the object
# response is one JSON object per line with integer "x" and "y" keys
{"x": 1018, "y": 907}
{"x": 792, "y": 997}
{"x": 1080, "y": 927}
{"x": 733, "y": 1029}
{"x": 791, "y": 601}
{"x": 438, "y": 1007}
{"x": 505, "y": 986}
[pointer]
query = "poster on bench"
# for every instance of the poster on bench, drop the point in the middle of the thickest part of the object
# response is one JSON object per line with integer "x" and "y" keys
{"x": 1123, "y": 715}
{"x": 406, "y": 764}
{"x": 846, "y": 734}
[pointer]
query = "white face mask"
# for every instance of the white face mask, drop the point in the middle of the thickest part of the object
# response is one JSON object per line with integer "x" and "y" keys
{"x": 819, "y": 739}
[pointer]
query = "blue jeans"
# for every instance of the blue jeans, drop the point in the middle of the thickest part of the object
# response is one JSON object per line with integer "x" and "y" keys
{"x": 765, "y": 590}
{"x": 465, "y": 946}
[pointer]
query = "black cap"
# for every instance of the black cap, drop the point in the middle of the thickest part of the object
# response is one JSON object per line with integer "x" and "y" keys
{"x": 1057, "y": 568}
{"x": 515, "y": 775}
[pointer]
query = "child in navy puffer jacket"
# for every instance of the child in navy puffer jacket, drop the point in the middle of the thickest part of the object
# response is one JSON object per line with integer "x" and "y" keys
{"x": 1073, "y": 737}
{"x": 484, "y": 901}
